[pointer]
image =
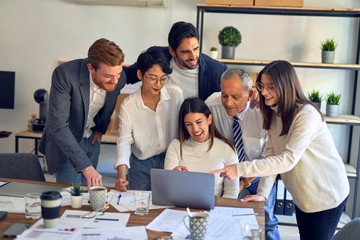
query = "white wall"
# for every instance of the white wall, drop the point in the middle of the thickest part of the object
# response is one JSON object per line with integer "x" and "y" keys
{"x": 35, "y": 34}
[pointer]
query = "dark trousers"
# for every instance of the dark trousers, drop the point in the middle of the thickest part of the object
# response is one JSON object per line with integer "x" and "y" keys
{"x": 319, "y": 225}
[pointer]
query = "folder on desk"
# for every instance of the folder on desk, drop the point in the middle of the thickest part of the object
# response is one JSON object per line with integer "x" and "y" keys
{"x": 280, "y": 198}
{"x": 289, "y": 206}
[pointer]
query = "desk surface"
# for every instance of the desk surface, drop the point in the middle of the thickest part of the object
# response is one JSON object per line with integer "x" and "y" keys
{"x": 106, "y": 138}
{"x": 134, "y": 219}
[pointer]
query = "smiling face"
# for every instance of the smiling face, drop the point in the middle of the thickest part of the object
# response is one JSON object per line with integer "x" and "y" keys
{"x": 187, "y": 53}
{"x": 153, "y": 80}
{"x": 234, "y": 98}
{"x": 269, "y": 92}
{"x": 197, "y": 126}
{"x": 105, "y": 77}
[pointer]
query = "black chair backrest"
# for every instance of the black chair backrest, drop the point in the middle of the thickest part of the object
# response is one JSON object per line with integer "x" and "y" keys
{"x": 24, "y": 166}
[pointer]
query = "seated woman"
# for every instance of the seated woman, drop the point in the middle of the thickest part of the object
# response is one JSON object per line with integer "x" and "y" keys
{"x": 148, "y": 122}
{"x": 200, "y": 147}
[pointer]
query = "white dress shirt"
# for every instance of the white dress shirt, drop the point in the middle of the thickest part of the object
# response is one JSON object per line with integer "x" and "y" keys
{"x": 97, "y": 101}
{"x": 145, "y": 132}
{"x": 251, "y": 123}
{"x": 197, "y": 158}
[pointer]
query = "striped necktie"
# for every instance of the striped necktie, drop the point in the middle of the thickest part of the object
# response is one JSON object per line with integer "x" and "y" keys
{"x": 238, "y": 141}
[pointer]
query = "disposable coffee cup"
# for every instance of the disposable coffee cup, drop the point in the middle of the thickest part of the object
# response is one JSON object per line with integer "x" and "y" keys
{"x": 50, "y": 208}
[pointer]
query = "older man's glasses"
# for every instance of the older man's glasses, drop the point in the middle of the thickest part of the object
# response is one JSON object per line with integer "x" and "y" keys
{"x": 163, "y": 80}
{"x": 270, "y": 87}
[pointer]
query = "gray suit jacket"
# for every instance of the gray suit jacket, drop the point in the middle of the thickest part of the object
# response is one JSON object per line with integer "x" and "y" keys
{"x": 68, "y": 111}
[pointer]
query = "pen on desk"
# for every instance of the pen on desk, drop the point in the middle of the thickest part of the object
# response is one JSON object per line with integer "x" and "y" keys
{"x": 106, "y": 219}
{"x": 245, "y": 214}
{"x": 118, "y": 201}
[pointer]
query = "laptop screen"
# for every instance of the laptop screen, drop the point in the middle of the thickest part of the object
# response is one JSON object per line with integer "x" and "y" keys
{"x": 182, "y": 189}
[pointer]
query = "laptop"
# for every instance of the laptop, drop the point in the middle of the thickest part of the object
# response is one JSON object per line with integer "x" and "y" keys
{"x": 17, "y": 189}
{"x": 182, "y": 189}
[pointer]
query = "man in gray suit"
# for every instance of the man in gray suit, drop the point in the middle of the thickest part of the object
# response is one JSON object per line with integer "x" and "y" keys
{"x": 82, "y": 99}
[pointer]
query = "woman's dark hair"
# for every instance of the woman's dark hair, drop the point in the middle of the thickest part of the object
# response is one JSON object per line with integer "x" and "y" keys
{"x": 288, "y": 88}
{"x": 151, "y": 57}
{"x": 197, "y": 105}
{"x": 179, "y": 31}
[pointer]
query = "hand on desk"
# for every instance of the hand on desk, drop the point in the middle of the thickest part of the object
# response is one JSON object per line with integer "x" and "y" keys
{"x": 253, "y": 198}
{"x": 93, "y": 178}
{"x": 121, "y": 184}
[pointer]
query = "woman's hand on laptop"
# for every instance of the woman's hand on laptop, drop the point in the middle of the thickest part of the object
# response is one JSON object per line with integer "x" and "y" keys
{"x": 121, "y": 184}
{"x": 229, "y": 172}
{"x": 181, "y": 168}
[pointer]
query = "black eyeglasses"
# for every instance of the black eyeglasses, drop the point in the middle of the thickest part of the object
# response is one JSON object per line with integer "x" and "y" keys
{"x": 270, "y": 87}
{"x": 163, "y": 80}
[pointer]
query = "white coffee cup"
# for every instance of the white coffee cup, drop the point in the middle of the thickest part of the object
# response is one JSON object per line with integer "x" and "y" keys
{"x": 97, "y": 196}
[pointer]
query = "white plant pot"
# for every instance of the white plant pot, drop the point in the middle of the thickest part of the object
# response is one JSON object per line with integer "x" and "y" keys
{"x": 317, "y": 104}
{"x": 327, "y": 56}
{"x": 332, "y": 110}
{"x": 214, "y": 54}
{"x": 76, "y": 201}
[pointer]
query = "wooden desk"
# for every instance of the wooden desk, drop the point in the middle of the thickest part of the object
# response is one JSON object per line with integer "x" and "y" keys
{"x": 36, "y": 136}
{"x": 134, "y": 219}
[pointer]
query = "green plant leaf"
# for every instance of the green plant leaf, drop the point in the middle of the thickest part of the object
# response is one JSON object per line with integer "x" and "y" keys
{"x": 229, "y": 36}
{"x": 328, "y": 45}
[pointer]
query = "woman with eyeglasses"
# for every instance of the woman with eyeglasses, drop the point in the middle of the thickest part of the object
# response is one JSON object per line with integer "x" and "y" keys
{"x": 201, "y": 148}
{"x": 300, "y": 149}
{"x": 147, "y": 122}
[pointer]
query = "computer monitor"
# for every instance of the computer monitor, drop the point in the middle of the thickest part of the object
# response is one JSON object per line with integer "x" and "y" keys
{"x": 7, "y": 89}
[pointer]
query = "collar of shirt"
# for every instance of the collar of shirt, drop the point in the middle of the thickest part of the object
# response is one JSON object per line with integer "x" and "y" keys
{"x": 242, "y": 114}
{"x": 164, "y": 96}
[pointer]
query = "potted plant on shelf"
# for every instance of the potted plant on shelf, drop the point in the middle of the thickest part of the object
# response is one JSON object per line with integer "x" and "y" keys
{"x": 214, "y": 52}
{"x": 328, "y": 50}
{"x": 76, "y": 192}
{"x": 332, "y": 104}
{"x": 315, "y": 97}
{"x": 229, "y": 38}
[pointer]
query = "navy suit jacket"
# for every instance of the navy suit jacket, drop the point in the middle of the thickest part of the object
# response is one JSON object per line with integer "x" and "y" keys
{"x": 68, "y": 112}
{"x": 210, "y": 72}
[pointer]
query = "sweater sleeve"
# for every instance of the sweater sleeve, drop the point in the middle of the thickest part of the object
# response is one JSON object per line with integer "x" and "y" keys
{"x": 172, "y": 158}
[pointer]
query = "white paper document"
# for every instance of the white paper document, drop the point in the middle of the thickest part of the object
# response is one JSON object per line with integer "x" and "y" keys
{"x": 12, "y": 204}
{"x": 126, "y": 202}
{"x": 128, "y": 233}
{"x": 223, "y": 223}
{"x": 71, "y": 224}
{"x": 167, "y": 221}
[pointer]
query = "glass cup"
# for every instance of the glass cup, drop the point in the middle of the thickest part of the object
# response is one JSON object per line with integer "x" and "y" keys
{"x": 32, "y": 206}
{"x": 142, "y": 202}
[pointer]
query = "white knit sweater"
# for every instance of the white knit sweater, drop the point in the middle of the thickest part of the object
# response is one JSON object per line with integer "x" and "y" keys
{"x": 307, "y": 159}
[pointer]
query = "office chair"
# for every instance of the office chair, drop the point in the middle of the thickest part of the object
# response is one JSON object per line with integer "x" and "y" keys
{"x": 24, "y": 166}
{"x": 350, "y": 231}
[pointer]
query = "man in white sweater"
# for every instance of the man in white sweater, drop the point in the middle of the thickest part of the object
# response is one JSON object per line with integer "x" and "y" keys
{"x": 234, "y": 100}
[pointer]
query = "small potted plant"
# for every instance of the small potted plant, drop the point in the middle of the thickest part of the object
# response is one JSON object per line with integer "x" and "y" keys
{"x": 229, "y": 38}
{"x": 214, "y": 52}
{"x": 332, "y": 104}
{"x": 315, "y": 97}
{"x": 328, "y": 50}
{"x": 76, "y": 192}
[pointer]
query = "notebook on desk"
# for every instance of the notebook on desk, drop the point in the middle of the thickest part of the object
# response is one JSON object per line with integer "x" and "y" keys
{"x": 182, "y": 189}
{"x": 17, "y": 189}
